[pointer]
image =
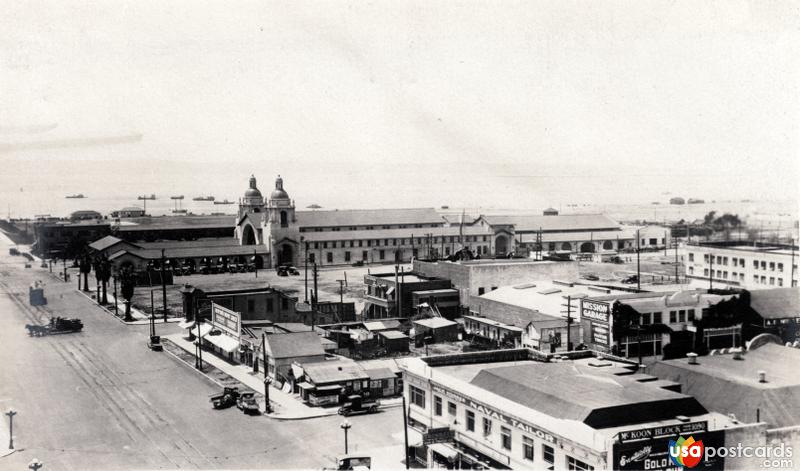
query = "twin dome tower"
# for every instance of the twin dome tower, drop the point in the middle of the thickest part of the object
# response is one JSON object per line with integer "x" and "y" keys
{"x": 270, "y": 223}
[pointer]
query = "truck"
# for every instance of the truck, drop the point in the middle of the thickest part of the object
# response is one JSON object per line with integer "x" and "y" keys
{"x": 357, "y": 405}
{"x": 226, "y": 398}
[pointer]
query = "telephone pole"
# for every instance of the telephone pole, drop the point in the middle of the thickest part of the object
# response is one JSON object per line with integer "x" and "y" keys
{"x": 315, "y": 294}
{"x": 569, "y": 322}
{"x": 164, "y": 284}
{"x": 306, "y": 274}
{"x": 638, "y": 266}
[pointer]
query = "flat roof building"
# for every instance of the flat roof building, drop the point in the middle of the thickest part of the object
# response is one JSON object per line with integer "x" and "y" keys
{"x": 747, "y": 265}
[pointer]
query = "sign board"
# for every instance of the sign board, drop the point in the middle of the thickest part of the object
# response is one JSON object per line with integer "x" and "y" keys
{"x": 653, "y": 454}
{"x": 662, "y": 431}
{"x": 438, "y": 435}
{"x": 597, "y": 315}
{"x": 226, "y": 320}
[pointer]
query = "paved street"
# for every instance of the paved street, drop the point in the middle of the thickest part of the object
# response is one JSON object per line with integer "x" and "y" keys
{"x": 100, "y": 399}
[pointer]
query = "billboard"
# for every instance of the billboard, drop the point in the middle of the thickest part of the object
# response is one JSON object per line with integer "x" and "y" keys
{"x": 226, "y": 320}
{"x": 652, "y": 454}
{"x": 596, "y": 319}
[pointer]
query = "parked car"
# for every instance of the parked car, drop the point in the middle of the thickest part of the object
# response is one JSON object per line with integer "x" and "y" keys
{"x": 226, "y": 398}
{"x": 293, "y": 271}
{"x": 357, "y": 405}
{"x": 631, "y": 280}
{"x": 247, "y": 403}
{"x": 590, "y": 277}
{"x": 282, "y": 270}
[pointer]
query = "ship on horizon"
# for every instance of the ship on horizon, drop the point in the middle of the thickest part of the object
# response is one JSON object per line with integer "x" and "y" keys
{"x": 145, "y": 197}
{"x": 203, "y": 198}
{"x": 223, "y": 202}
{"x": 78, "y": 196}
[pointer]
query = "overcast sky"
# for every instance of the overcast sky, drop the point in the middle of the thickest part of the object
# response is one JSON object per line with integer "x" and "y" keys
{"x": 369, "y": 104}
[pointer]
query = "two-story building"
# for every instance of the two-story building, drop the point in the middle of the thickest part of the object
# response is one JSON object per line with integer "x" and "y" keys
{"x": 746, "y": 265}
{"x": 391, "y": 295}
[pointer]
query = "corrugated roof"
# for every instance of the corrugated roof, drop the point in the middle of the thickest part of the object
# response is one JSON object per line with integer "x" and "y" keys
{"x": 563, "y": 222}
{"x": 574, "y": 392}
{"x": 294, "y": 345}
{"x": 780, "y": 303}
{"x": 334, "y": 372}
{"x": 368, "y": 217}
{"x": 177, "y": 222}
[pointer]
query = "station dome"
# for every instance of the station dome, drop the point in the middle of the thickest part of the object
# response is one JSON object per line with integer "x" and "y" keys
{"x": 253, "y": 191}
{"x": 278, "y": 193}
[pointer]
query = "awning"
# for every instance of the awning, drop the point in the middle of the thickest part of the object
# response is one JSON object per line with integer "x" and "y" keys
{"x": 204, "y": 330}
{"x": 329, "y": 388}
{"x": 186, "y": 324}
{"x": 445, "y": 450}
{"x": 304, "y": 385}
{"x": 414, "y": 438}
{"x": 229, "y": 344}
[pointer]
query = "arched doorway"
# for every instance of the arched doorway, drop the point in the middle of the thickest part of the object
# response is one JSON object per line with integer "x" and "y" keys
{"x": 258, "y": 261}
{"x": 501, "y": 245}
{"x": 587, "y": 247}
{"x": 285, "y": 255}
{"x": 608, "y": 245}
{"x": 566, "y": 246}
{"x": 248, "y": 235}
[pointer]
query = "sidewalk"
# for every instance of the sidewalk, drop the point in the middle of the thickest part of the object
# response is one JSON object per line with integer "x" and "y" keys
{"x": 286, "y": 406}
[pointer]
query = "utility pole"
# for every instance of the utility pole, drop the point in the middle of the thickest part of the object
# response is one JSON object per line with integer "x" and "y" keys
{"x": 199, "y": 351}
{"x": 152, "y": 316}
{"x": 11, "y": 413}
{"x": 677, "y": 276}
{"x": 665, "y": 243}
{"x": 638, "y": 266}
{"x": 164, "y": 284}
{"x": 267, "y": 379}
{"x": 255, "y": 266}
{"x": 315, "y": 294}
{"x": 341, "y": 298}
{"x": 710, "y": 271}
{"x": 569, "y": 322}
{"x": 400, "y": 291}
{"x": 405, "y": 429}
{"x": 396, "y": 293}
{"x": 791, "y": 280}
{"x": 306, "y": 271}
{"x": 116, "y": 305}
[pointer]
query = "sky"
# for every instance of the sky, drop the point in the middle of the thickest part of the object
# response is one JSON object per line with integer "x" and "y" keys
{"x": 398, "y": 104}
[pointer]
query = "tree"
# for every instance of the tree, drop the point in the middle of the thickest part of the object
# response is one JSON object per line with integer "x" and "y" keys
{"x": 128, "y": 283}
{"x": 102, "y": 271}
{"x": 85, "y": 265}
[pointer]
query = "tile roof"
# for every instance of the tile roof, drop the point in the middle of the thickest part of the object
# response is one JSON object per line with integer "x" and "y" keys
{"x": 585, "y": 394}
{"x": 564, "y": 222}
{"x": 294, "y": 345}
{"x": 368, "y": 217}
{"x": 777, "y": 303}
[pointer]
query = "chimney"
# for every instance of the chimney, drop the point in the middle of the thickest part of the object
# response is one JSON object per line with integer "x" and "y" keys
{"x": 692, "y": 358}
{"x": 762, "y": 376}
{"x": 737, "y": 354}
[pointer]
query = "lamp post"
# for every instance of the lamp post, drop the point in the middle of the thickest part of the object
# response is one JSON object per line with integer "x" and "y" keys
{"x": 198, "y": 357}
{"x": 11, "y": 413}
{"x": 345, "y": 426}
{"x": 267, "y": 382}
{"x": 116, "y": 305}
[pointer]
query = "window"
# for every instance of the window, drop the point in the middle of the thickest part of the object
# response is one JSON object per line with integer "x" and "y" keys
{"x": 347, "y": 256}
{"x": 329, "y": 257}
{"x": 772, "y": 281}
{"x": 579, "y": 465}
{"x": 755, "y": 278}
{"x": 270, "y": 307}
{"x": 705, "y": 257}
{"x": 316, "y": 245}
{"x": 734, "y": 261}
{"x": 284, "y": 219}
{"x": 682, "y": 316}
{"x": 780, "y": 267}
{"x": 352, "y": 243}
{"x": 324, "y": 245}
{"x": 251, "y": 305}
{"x": 505, "y": 434}
{"x": 470, "y": 421}
{"x": 755, "y": 264}
{"x": 527, "y": 448}
{"x": 437, "y": 405}
{"x": 360, "y": 243}
{"x": 394, "y": 241}
{"x": 657, "y": 318}
{"x": 763, "y": 280}
{"x": 691, "y": 270}
{"x": 771, "y": 266}
{"x": 719, "y": 260}
{"x": 382, "y": 254}
{"x": 369, "y": 243}
{"x": 690, "y": 312}
{"x": 386, "y": 242}
{"x": 673, "y": 317}
{"x": 548, "y": 454}
{"x": 741, "y": 262}
{"x": 646, "y": 318}
{"x": 763, "y": 265}
{"x": 481, "y": 291}
{"x": 725, "y": 261}
{"x": 312, "y": 258}
{"x": 780, "y": 281}
{"x": 364, "y": 255}
{"x": 284, "y": 303}
{"x": 487, "y": 427}
{"x": 691, "y": 257}
{"x": 451, "y": 408}
{"x": 417, "y": 396}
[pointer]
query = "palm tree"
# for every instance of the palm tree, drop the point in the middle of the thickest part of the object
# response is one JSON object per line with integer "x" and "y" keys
{"x": 85, "y": 265}
{"x": 102, "y": 271}
{"x": 128, "y": 283}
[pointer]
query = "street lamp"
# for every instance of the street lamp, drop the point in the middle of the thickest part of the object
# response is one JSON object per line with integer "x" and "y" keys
{"x": 345, "y": 426}
{"x": 11, "y": 413}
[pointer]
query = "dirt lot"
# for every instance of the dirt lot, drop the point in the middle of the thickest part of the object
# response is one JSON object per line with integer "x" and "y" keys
{"x": 655, "y": 268}
{"x": 293, "y": 285}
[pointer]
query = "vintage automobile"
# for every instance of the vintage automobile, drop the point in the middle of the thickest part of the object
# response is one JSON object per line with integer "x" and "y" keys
{"x": 247, "y": 403}
{"x": 357, "y": 405}
{"x": 57, "y": 325}
{"x": 226, "y": 398}
{"x": 282, "y": 270}
{"x": 293, "y": 271}
{"x": 353, "y": 462}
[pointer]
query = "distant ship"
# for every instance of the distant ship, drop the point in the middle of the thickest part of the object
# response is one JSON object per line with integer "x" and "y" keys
{"x": 180, "y": 211}
{"x": 78, "y": 196}
{"x": 145, "y": 197}
{"x": 179, "y": 197}
{"x": 223, "y": 202}
{"x": 695, "y": 201}
{"x": 203, "y": 198}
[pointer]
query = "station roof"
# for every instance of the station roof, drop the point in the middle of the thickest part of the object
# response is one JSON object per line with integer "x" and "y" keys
{"x": 562, "y": 222}
{"x": 106, "y": 242}
{"x": 368, "y": 217}
{"x": 193, "y": 251}
{"x": 177, "y": 222}
{"x": 408, "y": 232}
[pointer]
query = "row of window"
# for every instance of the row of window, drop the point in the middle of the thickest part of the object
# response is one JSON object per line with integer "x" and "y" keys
{"x": 680, "y": 315}
{"x": 395, "y": 242}
{"x": 367, "y": 228}
{"x": 739, "y": 262}
{"x": 417, "y": 396}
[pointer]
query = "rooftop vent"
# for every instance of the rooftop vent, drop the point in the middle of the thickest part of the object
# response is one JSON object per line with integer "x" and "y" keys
{"x": 692, "y": 358}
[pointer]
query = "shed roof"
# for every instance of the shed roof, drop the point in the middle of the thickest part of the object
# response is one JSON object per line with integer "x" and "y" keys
{"x": 780, "y": 303}
{"x": 294, "y": 345}
{"x": 435, "y": 322}
{"x": 334, "y": 372}
{"x": 392, "y": 334}
{"x": 105, "y": 242}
